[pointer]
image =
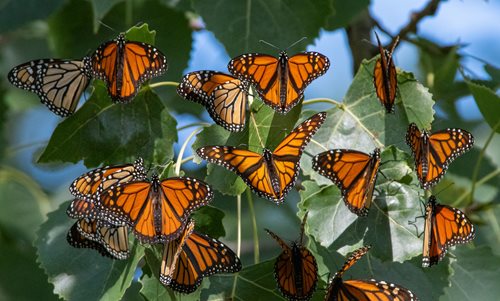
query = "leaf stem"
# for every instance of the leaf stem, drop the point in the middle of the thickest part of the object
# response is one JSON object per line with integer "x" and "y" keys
{"x": 256, "y": 255}
{"x": 238, "y": 216}
{"x": 179, "y": 161}
{"x": 322, "y": 100}
{"x": 478, "y": 162}
{"x": 160, "y": 84}
{"x": 203, "y": 124}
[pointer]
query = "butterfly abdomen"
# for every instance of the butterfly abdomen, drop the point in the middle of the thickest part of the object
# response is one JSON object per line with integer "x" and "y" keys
{"x": 297, "y": 268}
{"x": 283, "y": 74}
{"x": 275, "y": 182}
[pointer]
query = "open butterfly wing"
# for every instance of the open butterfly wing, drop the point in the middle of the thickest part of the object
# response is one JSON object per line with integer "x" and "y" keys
{"x": 125, "y": 65}
{"x": 202, "y": 256}
{"x": 249, "y": 165}
{"x": 353, "y": 172}
{"x": 261, "y": 70}
{"x": 199, "y": 85}
{"x": 58, "y": 83}
{"x": 286, "y": 155}
{"x": 303, "y": 68}
{"x": 445, "y": 226}
{"x": 370, "y": 290}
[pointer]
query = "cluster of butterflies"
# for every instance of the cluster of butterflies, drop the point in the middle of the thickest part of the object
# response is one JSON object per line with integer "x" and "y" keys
{"x": 111, "y": 201}
{"x": 123, "y": 65}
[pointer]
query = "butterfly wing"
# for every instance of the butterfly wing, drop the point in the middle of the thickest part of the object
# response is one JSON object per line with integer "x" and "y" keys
{"x": 77, "y": 240}
{"x": 433, "y": 153}
{"x": 202, "y": 256}
{"x": 125, "y": 65}
{"x": 58, "y": 83}
{"x": 224, "y": 96}
{"x": 263, "y": 71}
{"x": 249, "y": 165}
{"x": 286, "y": 155}
{"x": 369, "y": 290}
{"x": 445, "y": 226}
{"x": 385, "y": 78}
{"x": 114, "y": 239}
{"x": 353, "y": 172}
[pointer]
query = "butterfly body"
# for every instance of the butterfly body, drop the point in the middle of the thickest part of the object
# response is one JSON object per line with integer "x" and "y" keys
{"x": 445, "y": 226}
{"x": 434, "y": 152}
{"x": 354, "y": 172}
{"x": 280, "y": 82}
{"x": 273, "y": 174}
{"x": 58, "y": 83}
{"x": 124, "y": 65}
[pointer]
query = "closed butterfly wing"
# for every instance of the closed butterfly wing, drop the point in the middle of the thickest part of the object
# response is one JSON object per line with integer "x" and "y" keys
{"x": 201, "y": 256}
{"x": 445, "y": 226}
{"x": 385, "y": 77}
{"x": 364, "y": 290}
{"x": 355, "y": 174}
{"x": 58, "y": 83}
{"x": 295, "y": 269}
{"x": 224, "y": 96}
{"x": 434, "y": 152}
{"x": 157, "y": 211}
{"x": 280, "y": 82}
{"x": 125, "y": 65}
{"x": 77, "y": 240}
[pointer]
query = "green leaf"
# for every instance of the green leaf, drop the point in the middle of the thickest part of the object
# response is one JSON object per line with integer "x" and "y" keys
{"x": 360, "y": 121}
{"x": 209, "y": 221}
{"x": 81, "y": 274}
{"x": 164, "y": 146}
{"x": 475, "y": 275}
{"x": 103, "y": 132}
{"x": 395, "y": 204}
{"x": 488, "y": 103}
{"x": 14, "y": 14}
{"x": 344, "y": 12}
{"x": 152, "y": 289}
{"x": 278, "y": 22}
{"x": 21, "y": 197}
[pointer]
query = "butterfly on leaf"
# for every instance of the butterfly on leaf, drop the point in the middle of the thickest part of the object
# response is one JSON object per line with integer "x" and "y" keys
{"x": 124, "y": 65}
{"x": 433, "y": 152}
{"x": 193, "y": 256}
{"x": 280, "y": 82}
{"x": 354, "y": 172}
{"x": 156, "y": 210}
{"x": 59, "y": 83}
{"x": 86, "y": 187}
{"x": 272, "y": 174}
{"x": 295, "y": 270}
{"x": 366, "y": 290}
{"x": 385, "y": 77}
{"x": 224, "y": 96}
{"x": 445, "y": 226}
{"x": 114, "y": 239}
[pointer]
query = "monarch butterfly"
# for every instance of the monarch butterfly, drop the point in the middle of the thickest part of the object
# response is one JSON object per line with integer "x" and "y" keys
{"x": 445, "y": 226}
{"x": 113, "y": 238}
{"x": 354, "y": 172}
{"x": 124, "y": 65}
{"x": 224, "y": 96}
{"x": 280, "y": 82}
{"x": 434, "y": 152}
{"x": 272, "y": 174}
{"x": 156, "y": 210}
{"x": 193, "y": 256}
{"x": 87, "y": 186}
{"x": 295, "y": 270}
{"x": 385, "y": 78}
{"x": 366, "y": 290}
{"x": 58, "y": 83}
{"x": 77, "y": 240}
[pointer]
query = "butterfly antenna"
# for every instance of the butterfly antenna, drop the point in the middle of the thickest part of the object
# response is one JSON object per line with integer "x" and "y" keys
{"x": 302, "y": 227}
{"x": 269, "y": 44}
{"x": 444, "y": 188}
{"x": 296, "y": 42}
{"x": 107, "y": 26}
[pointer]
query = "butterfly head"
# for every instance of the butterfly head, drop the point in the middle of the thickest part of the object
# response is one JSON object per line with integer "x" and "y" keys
{"x": 376, "y": 153}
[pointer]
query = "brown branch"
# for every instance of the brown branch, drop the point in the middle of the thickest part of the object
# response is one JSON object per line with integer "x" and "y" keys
{"x": 415, "y": 17}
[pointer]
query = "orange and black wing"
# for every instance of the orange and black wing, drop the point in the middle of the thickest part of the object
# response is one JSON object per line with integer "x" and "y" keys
{"x": 82, "y": 208}
{"x": 445, "y": 226}
{"x": 77, "y": 240}
{"x": 224, "y": 96}
{"x": 385, "y": 77}
{"x": 286, "y": 155}
{"x": 125, "y": 65}
{"x": 353, "y": 172}
{"x": 201, "y": 256}
{"x": 59, "y": 83}
{"x": 250, "y": 166}
{"x": 434, "y": 152}
{"x": 368, "y": 290}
